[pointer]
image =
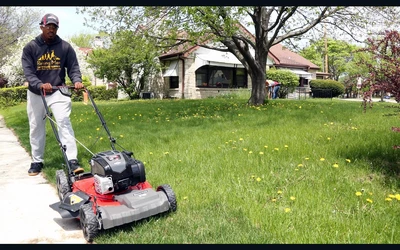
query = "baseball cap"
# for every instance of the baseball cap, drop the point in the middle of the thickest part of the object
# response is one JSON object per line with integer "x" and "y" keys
{"x": 49, "y": 18}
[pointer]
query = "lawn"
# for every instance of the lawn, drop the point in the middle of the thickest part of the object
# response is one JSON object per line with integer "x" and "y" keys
{"x": 291, "y": 171}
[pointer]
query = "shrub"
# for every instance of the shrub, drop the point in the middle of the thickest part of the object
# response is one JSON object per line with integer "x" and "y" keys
{"x": 326, "y": 88}
{"x": 286, "y": 78}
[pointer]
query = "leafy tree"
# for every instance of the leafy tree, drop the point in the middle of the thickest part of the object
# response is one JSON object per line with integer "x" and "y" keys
{"x": 340, "y": 53}
{"x": 83, "y": 40}
{"x": 15, "y": 22}
{"x": 286, "y": 78}
{"x": 219, "y": 28}
{"x": 384, "y": 73}
{"x": 129, "y": 61}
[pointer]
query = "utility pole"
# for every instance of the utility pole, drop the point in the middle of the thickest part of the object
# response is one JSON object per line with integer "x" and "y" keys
{"x": 326, "y": 51}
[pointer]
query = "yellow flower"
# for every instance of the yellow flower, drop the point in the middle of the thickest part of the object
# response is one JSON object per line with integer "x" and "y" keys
{"x": 286, "y": 146}
{"x": 391, "y": 196}
{"x": 258, "y": 179}
{"x": 369, "y": 200}
{"x": 348, "y": 160}
{"x": 300, "y": 165}
{"x": 388, "y": 199}
{"x": 306, "y": 158}
{"x": 335, "y": 165}
{"x": 97, "y": 129}
{"x": 358, "y": 193}
{"x": 121, "y": 136}
{"x": 287, "y": 210}
{"x": 322, "y": 159}
{"x": 250, "y": 152}
{"x": 166, "y": 153}
{"x": 279, "y": 191}
{"x": 261, "y": 153}
{"x": 292, "y": 198}
{"x": 241, "y": 139}
{"x": 273, "y": 200}
{"x": 397, "y": 196}
{"x": 328, "y": 138}
{"x": 265, "y": 146}
{"x": 151, "y": 153}
{"x": 277, "y": 149}
{"x": 185, "y": 198}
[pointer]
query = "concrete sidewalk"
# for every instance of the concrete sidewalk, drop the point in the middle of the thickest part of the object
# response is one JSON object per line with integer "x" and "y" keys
{"x": 25, "y": 213}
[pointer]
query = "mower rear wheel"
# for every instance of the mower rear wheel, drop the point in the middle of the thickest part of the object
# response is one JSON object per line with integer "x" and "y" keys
{"x": 170, "y": 196}
{"x": 88, "y": 221}
{"x": 63, "y": 186}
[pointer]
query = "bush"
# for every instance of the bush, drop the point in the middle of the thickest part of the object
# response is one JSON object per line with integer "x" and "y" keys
{"x": 326, "y": 88}
{"x": 286, "y": 78}
{"x": 12, "y": 96}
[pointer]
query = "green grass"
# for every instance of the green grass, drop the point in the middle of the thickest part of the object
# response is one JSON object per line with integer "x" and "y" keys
{"x": 285, "y": 172}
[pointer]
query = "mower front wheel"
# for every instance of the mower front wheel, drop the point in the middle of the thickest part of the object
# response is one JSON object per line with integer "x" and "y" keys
{"x": 88, "y": 221}
{"x": 63, "y": 186}
{"x": 170, "y": 196}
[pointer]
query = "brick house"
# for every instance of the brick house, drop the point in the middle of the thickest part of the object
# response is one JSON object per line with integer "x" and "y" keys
{"x": 197, "y": 72}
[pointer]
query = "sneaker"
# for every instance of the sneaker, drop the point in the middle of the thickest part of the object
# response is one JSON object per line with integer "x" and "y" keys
{"x": 35, "y": 169}
{"x": 74, "y": 164}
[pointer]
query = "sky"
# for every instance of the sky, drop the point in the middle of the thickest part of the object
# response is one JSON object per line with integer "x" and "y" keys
{"x": 70, "y": 22}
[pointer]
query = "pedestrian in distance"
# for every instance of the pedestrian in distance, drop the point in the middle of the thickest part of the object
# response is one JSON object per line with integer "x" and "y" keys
{"x": 45, "y": 60}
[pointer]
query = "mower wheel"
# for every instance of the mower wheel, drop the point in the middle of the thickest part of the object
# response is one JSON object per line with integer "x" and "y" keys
{"x": 63, "y": 186}
{"x": 170, "y": 196}
{"x": 88, "y": 221}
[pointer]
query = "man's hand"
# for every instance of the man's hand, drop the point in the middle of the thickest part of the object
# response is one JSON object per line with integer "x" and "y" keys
{"x": 47, "y": 87}
{"x": 78, "y": 85}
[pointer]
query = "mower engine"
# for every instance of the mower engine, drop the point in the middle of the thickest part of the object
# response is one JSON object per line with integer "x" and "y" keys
{"x": 115, "y": 171}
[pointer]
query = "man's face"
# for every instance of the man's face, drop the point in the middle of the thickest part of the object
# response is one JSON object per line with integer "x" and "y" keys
{"x": 49, "y": 31}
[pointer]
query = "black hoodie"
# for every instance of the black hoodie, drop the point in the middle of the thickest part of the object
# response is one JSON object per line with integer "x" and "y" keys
{"x": 43, "y": 63}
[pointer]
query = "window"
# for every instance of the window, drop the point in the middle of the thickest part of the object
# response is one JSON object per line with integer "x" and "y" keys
{"x": 221, "y": 77}
{"x": 173, "y": 82}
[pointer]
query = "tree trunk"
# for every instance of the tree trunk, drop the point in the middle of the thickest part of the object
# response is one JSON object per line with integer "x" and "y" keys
{"x": 258, "y": 89}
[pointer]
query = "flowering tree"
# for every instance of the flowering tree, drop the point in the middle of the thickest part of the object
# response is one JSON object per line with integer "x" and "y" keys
{"x": 384, "y": 69}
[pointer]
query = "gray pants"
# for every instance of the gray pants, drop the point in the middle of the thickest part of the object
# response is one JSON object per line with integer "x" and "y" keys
{"x": 60, "y": 106}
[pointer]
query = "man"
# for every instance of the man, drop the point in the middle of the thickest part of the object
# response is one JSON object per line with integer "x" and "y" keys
{"x": 44, "y": 61}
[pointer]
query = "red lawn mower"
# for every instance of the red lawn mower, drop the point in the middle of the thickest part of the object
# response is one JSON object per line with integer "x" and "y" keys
{"x": 113, "y": 193}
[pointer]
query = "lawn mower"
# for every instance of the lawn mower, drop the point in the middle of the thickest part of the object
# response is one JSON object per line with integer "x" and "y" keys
{"x": 113, "y": 193}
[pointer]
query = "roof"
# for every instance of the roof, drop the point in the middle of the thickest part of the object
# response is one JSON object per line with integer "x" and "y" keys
{"x": 280, "y": 55}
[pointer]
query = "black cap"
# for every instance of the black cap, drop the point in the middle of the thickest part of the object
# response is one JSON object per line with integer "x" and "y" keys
{"x": 49, "y": 18}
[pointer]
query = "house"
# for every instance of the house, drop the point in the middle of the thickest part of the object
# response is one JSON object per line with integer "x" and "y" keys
{"x": 197, "y": 72}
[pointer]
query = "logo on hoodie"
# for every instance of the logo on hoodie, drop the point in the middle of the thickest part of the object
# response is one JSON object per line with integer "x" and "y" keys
{"x": 48, "y": 61}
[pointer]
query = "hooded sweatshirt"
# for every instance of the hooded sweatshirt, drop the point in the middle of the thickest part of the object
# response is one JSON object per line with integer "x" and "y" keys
{"x": 46, "y": 63}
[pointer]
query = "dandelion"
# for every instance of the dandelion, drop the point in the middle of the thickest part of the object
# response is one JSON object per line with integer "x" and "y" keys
{"x": 328, "y": 138}
{"x": 292, "y": 198}
{"x": 348, "y": 160}
{"x": 287, "y": 210}
{"x": 185, "y": 198}
{"x": 397, "y": 196}
{"x": 391, "y": 196}
{"x": 335, "y": 165}
{"x": 306, "y": 158}
{"x": 369, "y": 200}
{"x": 299, "y": 107}
{"x": 244, "y": 149}
{"x": 151, "y": 153}
{"x": 121, "y": 136}
{"x": 265, "y": 146}
{"x": 358, "y": 193}
{"x": 97, "y": 129}
{"x": 286, "y": 146}
{"x": 166, "y": 153}
{"x": 388, "y": 199}
{"x": 279, "y": 191}
{"x": 322, "y": 111}
{"x": 322, "y": 159}
{"x": 276, "y": 149}
{"x": 300, "y": 165}
{"x": 240, "y": 139}
{"x": 250, "y": 152}
{"x": 261, "y": 153}
{"x": 273, "y": 199}
{"x": 258, "y": 179}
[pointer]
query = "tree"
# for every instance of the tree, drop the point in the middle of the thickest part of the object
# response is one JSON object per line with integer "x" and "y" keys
{"x": 384, "y": 70}
{"x": 340, "y": 53}
{"x": 83, "y": 40}
{"x": 218, "y": 27}
{"x": 15, "y": 22}
{"x": 129, "y": 61}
